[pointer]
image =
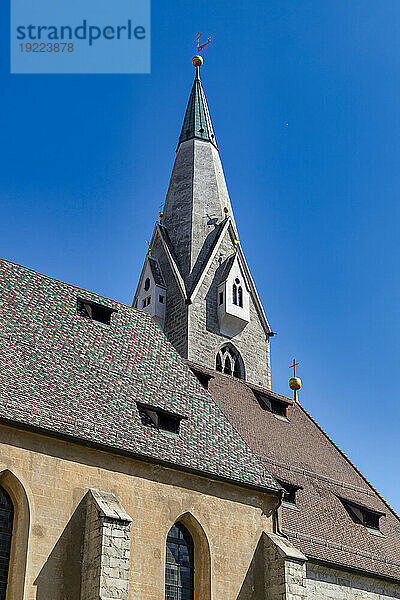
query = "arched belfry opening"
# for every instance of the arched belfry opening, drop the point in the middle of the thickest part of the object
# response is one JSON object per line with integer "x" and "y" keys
{"x": 188, "y": 561}
{"x": 229, "y": 361}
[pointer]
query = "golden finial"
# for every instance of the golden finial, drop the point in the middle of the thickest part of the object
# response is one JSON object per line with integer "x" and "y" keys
{"x": 294, "y": 382}
{"x": 226, "y": 211}
{"x": 148, "y": 249}
{"x": 161, "y": 211}
{"x": 197, "y": 60}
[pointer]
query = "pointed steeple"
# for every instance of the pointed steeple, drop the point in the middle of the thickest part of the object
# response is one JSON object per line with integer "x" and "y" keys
{"x": 197, "y": 122}
{"x": 197, "y": 201}
{"x": 208, "y": 307}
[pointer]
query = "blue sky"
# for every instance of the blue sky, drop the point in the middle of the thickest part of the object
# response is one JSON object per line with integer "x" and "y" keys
{"x": 304, "y": 97}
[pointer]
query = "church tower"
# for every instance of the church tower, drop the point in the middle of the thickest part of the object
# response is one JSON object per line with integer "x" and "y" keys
{"x": 195, "y": 280}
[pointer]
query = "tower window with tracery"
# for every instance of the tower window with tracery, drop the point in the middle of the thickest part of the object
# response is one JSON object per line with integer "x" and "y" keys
{"x": 229, "y": 361}
{"x": 234, "y": 294}
{"x": 240, "y": 296}
{"x": 237, "y": 293}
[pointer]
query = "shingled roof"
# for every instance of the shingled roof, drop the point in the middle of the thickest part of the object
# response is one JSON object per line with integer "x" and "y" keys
{"x": 298, "y": 452}
{"x": 197, "y": 122}
{"x": 63, "y": 373}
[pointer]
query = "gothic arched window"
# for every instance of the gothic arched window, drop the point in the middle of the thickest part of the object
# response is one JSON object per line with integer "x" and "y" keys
{"x": 229, "y": 361}
{"x": 234, "y": 294}
{"x": 240, "y": 296}
{"x": 179, "y": 567}
{"x": 6, "y": 528}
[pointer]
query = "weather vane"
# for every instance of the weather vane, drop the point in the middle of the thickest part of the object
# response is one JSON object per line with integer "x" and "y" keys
{"x": 197, "y": 60}
{"x": 294, "y": 382}
{"x": 200, "y": 47}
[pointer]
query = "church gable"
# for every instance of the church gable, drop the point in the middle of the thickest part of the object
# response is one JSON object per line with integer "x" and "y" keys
{"x": 206, "y": 336}
{"x": 151, "y": 293}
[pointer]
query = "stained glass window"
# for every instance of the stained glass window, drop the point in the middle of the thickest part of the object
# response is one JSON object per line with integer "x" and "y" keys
{"x": 6, "y": 526}
{"x": 179, "y": 568}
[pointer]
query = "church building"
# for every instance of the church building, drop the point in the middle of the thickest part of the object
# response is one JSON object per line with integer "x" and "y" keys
{"x": 143, "y": 452}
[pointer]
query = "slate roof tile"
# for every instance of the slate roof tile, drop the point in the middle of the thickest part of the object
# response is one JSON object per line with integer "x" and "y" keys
{"x": 300, "y": 453}
{"x": 69, "y": 375}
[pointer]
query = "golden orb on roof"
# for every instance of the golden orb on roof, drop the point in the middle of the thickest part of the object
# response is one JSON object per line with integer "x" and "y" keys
{"x": 295, "y": 383}
{"x": 226, "y": 210}
{"x": 197, "y": 60}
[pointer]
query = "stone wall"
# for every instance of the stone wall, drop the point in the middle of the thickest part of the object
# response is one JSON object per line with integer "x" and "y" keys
{"x": 106, "y": 554}
{"x": 57, "y": 476}
{"x": 284, "y": 568}
{"x": 334, "y": 584}
{"x": 205, "y": 338}
{"x": 175, "y": 327}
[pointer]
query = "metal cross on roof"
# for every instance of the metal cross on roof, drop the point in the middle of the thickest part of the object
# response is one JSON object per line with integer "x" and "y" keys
{"x": 202, "y": 46}
{"x": 293, "y": 366}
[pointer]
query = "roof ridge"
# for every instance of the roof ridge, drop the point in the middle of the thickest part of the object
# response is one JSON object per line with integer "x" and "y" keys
{"x": 208, "y": 258}
{"x": 316, "y": 475}
{"x": 349, "y": 461}
{"x": 77, "y": 287}
{"x": 342, "y": 547}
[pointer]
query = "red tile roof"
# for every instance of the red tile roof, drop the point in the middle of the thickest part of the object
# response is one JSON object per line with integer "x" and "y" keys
{"x": 299, "y": 452}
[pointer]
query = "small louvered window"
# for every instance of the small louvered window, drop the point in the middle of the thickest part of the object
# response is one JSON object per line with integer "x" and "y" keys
{"x": 290, "y": 492}
{"x": 95, "y": 312}
{"x": 159, "y": 418}
{"x": 365, "y": 516}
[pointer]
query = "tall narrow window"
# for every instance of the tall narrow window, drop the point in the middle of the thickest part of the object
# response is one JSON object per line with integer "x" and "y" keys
{"x": 6, "y": 527}
{"x": 240, "y": 296}
{"x": 234, "y": 294}
{"x": 179, "y": 567}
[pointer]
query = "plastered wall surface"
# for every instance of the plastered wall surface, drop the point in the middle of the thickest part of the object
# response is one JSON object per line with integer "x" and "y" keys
{"x": 57, "y": 475}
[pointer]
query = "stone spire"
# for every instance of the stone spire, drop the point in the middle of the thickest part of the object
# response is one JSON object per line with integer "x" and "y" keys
{"x": 195, "y": 280}
{"x": 197, "y": 201}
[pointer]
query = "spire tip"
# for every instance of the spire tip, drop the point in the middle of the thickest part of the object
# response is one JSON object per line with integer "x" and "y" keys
{"x": 197, "y": 61}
